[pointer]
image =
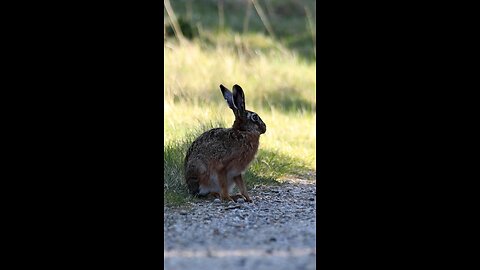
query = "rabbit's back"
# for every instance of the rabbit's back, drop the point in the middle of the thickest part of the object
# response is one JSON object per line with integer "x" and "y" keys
{"x": 202, "y": 147}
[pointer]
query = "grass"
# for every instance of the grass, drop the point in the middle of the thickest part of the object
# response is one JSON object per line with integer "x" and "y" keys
{"x": 289, "y": 20}
{"x": 279, "y": 83}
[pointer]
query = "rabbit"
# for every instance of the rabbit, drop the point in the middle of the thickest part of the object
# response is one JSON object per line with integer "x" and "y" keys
{"x": 219, "y": 157}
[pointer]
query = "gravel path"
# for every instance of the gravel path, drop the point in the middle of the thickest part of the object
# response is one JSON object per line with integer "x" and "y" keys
{"x": 276, "y": 231}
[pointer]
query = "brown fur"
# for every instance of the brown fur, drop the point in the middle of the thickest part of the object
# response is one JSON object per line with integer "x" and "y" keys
{"x": 217, "y": 159}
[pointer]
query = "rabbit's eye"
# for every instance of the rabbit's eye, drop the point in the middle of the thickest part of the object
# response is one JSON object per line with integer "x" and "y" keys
{"x": 255, "y": 118}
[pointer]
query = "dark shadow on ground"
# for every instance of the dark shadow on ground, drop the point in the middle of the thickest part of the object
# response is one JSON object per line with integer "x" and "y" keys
{"x": 270, "y": 166}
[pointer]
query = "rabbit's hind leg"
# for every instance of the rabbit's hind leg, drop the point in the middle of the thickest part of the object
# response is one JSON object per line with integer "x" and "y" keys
{"x": 196, "y": 177}
{"x": 222, "y": 180}
{"x": 213, "y": 195}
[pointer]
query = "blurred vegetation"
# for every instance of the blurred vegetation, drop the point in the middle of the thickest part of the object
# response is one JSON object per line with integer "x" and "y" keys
{"x": 293, "y": 24}
{"x": 273, "y": 59}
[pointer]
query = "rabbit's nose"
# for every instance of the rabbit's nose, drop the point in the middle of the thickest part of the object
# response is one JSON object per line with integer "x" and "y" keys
{"x": 263, "y": 128}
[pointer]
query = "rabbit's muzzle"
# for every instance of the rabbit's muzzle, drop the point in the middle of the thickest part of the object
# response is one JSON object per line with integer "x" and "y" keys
{"x": 263, "y": 128}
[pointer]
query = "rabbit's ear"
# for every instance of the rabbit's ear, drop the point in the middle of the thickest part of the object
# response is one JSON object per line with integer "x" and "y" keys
{"x": 228, "y": 97}
{"x": 239, "y": 99}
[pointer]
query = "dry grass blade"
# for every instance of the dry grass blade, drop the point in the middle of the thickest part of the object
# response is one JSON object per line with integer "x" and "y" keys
{"x": 246, "y": 20}
{"x": 264, "y": 18}
{"x": 311, "y": 26}
{"x": 174, "y": 21}
{"x": 221, "y": 15}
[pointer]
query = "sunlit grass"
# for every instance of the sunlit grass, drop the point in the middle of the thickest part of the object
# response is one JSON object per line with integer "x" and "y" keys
{"x": 193, "y": 75}
{"x": 278, "y": 82}
{"x": 280, "y": 89}
{"x": 289, "y": 133}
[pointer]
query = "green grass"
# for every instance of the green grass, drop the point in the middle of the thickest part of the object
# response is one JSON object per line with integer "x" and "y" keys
{"x": 279, "y": 83}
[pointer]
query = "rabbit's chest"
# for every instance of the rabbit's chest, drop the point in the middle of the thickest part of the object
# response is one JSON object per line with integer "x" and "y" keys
{"x": 239, "y": 166}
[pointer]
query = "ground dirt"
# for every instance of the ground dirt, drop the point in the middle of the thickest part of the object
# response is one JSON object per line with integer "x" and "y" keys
{"x": 276, "y": 231}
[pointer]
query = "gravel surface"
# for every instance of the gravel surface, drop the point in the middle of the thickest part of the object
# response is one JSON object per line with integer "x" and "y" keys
{"x": 276, "y": 231}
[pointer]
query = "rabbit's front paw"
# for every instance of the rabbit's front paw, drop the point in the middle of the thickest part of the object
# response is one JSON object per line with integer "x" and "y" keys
{"x": 247, "y": 198}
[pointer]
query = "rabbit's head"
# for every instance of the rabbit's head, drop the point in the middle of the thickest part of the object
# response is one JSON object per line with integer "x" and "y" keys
{"x": 244, "y": 120}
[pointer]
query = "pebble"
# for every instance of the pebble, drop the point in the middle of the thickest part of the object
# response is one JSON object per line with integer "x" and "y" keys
{"x": 273, "y": 232}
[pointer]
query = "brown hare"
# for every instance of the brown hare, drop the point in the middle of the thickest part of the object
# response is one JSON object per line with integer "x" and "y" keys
{"x": 219, "y": 157}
